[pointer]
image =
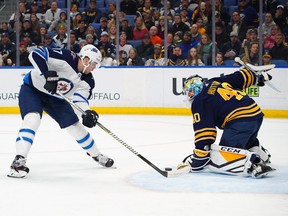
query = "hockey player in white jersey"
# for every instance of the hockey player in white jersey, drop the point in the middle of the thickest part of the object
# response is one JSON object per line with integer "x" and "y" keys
{"x": 64, "y": 71}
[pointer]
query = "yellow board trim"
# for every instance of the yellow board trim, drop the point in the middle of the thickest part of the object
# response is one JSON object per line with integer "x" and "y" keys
{"x": 150, "y": 111}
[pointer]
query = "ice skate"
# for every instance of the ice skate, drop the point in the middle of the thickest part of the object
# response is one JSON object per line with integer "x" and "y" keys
{"x": 259, "y": 170}
{"x": 18, "y": 167}
{"x": 104, "y": 160}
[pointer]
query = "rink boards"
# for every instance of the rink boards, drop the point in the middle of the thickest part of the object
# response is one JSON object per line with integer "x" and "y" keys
{"x": 149, "y": 90}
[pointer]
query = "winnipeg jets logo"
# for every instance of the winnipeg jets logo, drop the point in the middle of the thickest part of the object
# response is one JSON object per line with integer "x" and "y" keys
{"x": 64, "y": 85}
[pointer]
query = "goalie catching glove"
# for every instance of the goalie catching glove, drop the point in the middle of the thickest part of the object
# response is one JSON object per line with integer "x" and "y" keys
{"x": 90, "y": 118}
{"x": 198, "y": 160}
{"x": 51, "y": 81}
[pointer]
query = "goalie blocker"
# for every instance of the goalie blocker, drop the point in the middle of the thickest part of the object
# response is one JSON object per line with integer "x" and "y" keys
{"x": 224, "y": 159}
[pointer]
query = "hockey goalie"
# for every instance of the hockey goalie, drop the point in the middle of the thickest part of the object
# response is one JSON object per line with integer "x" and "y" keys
{"x": 221, "y": 103}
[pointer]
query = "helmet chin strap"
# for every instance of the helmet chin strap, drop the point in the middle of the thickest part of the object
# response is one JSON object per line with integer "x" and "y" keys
{"x": 85, "y": 66}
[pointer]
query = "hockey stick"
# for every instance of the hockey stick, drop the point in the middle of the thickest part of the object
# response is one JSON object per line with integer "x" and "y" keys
{"x": 171, "y": 173}
{"x": 239, "y": 61}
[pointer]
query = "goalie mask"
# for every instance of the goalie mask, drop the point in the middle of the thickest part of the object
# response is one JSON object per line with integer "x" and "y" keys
{"x": 192, "y": 87}
{"x": 93, "y": 54}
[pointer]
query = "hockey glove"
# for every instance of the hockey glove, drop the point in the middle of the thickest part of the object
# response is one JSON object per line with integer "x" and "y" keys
{"x": 90, "y": 118}
{"x": 262, "y": 78}
{"x": 51, "y": 81}
{"x": 198, "y": 160}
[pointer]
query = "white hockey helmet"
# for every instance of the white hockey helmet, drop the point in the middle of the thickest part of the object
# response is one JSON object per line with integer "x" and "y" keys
{"x": 92, "y": 53}
{"x": 193, "y": 86}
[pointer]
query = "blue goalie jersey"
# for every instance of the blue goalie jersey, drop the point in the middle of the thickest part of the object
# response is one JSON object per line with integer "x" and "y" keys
{"x": 222, "y": 102}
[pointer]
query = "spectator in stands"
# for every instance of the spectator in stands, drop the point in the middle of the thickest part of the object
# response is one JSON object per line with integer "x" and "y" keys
{"x": 147, "y": 19}
{"x": 146, "y": 7}
{"x": 111, "y": 9}
{"x": 29, "y": 43}
{"x": 203, "y": 12}
{"x": 249, "y": 14}
{"x": 35, "y": 26}
{"x": 27, "y": 28}
{"x": 106, "y": 60}
{"x": 62, "y": 20}
{"x": 267, "y": 24}
{"x": 103, "y": 26}
{"x": 251, "y": 37}
{"x": 42, "y": 33}
{"x": 155, "y": 39}
{"x": 44, "y": 6}
{"x": 280, "y": 17}
{"x": 90, "y": 40}
{"x": 193, "y": 59}
{"x": 161, "y": 27}
{"x": 22, "y": 10}
{"x": 218, "y": 22}
{"x": 237, "y": 25}
{"x": 109, "y": 47}
{"x": 187, "y": 4}
{"x": 49, "y": 42}
{"x": 221, "y": 36}
{"x": 179, "y": 25}
{"x": 91, "y": 30}
{"x": 186, "y": 44}
{"x": 52, "y": 14}
{"x": 74, "y": 46}
{"x": 129, "y": 7}
{"x": 134, "y": 59}
{"x": 81, "y": 30}
{"x": 156, "y": 17}
{"x": 112, "y": 34}
{"x": 195, "y": 35}
{"x": 91, "y": 13}
{"x": 219, "y": 59}
{"x": 279, "y": 51}
{"x": 76, "y": 22}
{"x": 169, "y": 44}
{"x": 231, "y": 48}
{"x": 140, "y": 29}
{"x": 4, "y": 28}
{"x": 220, "y": 8}
{"x": 269, "y": 40}
{"x": 184, "y": 18}
{"x": 266, "y": 59}
{"x": 157, "y": 59}
{"x": 124, "y": 26}
{"x": 6, "y": 46}
{"x": 146, "y": 48}
{"x": 177, "y": 58}
{"x": 124, "y": 47}
{"x": 204, "y": 49}
{"x": 201, "y": 27}
{"x": 253, "y": 54}
{"x": 177, "y": 38}
{"x": 74, "y": 10}
{"x": 10, "y": 60}
{"x": 61, "y": 38}
{"x": 34, "y": 9}
{"x": 170, "y": 12}
{"x": 82, "y": 43}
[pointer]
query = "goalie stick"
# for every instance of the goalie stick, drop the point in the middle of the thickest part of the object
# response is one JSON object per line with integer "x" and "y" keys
{"x": 172, "y": 173}
{"x": 250, "y": 67}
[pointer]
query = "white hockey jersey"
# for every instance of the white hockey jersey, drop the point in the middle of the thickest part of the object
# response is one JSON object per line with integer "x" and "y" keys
{"x": 72, "y": 83}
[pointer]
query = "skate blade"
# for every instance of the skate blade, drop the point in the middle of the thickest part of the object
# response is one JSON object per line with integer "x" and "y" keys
{"x": 264, "y": 174}
{"x": 17, "y": 174}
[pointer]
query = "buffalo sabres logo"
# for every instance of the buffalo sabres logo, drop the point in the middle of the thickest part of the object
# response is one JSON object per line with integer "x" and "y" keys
{"x": 65, "y": 85}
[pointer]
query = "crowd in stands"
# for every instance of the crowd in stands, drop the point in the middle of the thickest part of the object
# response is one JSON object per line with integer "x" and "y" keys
{"x": 142, "y": 28}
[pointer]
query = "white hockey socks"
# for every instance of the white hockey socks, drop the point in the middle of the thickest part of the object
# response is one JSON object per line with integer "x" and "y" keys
{"x": 24, "y": 141}
{"x": 83, "y": 138}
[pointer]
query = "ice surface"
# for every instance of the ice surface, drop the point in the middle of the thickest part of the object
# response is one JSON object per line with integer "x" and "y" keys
{"x": 64, "y": 181}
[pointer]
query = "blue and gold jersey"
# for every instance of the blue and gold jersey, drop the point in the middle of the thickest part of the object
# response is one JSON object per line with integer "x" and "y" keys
{"x": 222, "y": 102}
